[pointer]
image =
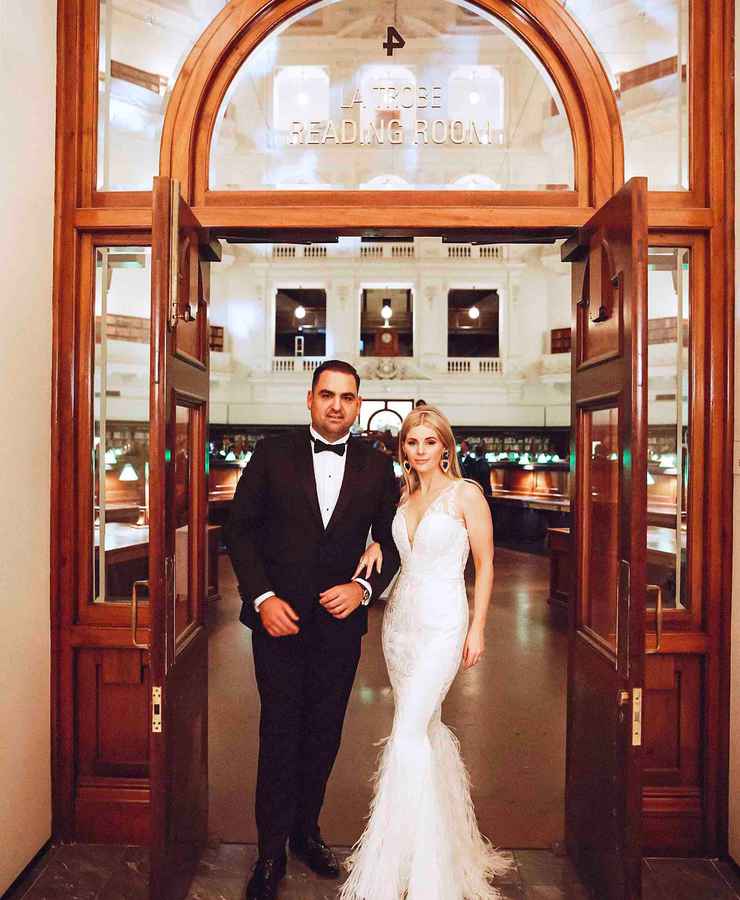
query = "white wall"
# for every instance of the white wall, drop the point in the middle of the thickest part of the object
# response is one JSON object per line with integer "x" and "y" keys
{"x": 734, "y": 837}
{"x": 27, "y": 101}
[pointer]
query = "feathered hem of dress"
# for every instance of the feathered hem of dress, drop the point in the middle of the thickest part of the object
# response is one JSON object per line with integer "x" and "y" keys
{"x": 381, "y": 862}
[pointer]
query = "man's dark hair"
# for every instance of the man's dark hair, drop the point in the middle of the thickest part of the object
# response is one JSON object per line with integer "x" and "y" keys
{"x": 335, "y": 365}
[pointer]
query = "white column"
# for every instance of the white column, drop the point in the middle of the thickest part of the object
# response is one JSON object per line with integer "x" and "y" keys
{"x": 430, "y": 324}
{"x": 342, "y": 318}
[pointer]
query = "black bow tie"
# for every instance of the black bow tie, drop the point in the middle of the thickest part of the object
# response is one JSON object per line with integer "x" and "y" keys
{"x": 320, "y": 446}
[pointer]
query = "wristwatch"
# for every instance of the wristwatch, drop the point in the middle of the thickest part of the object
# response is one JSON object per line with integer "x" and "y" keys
{"x": 365, "y": 595}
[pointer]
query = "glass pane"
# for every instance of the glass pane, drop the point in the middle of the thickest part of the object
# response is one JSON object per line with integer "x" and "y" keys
{"x": 184, "y": 595}
{"x": 332, "y": 100}
{"x": 142, "y": 47}
{"x": 121, "y": 421}
{"x": 645, "y": 50}
{"x": 601, "y": 523}
{"x": 668, "y": 424}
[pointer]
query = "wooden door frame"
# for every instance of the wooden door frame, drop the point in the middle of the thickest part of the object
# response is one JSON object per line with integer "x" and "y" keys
{"x": 84, "y": 216}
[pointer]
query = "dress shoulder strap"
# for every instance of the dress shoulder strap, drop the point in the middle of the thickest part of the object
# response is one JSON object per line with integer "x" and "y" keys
{"x": 448, "y": 499}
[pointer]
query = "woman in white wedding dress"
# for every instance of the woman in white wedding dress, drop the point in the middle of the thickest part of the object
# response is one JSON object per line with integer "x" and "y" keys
{"x": 422, "y": 840}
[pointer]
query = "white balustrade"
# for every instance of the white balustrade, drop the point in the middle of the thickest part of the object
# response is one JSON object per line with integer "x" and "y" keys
{"x": 488, "y": 252}
{"x": 314, "y": 251}
{"x": 474, "y": 366}
{"x": 494, "y": 252}
{"x": 293, "y": 364}
{"x": 402, "y": 251}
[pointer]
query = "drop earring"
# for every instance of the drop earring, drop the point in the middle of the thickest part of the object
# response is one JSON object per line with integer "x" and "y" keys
{"x": 445, "y": 464}
{"x": 407, "y": 466}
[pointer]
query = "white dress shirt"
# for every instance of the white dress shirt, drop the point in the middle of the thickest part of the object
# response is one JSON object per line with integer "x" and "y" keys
{"x": 328, "y": 470}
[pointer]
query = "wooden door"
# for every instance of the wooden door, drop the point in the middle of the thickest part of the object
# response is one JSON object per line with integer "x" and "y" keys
{"x": 609, "y": 503}
{"x": 178, "y": 548}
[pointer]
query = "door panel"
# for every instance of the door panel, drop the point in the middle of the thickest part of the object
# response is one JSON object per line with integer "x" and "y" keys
{"x": 178, "y": 550}
{"x": 600, "y": 304}
{"x": 609, "y": 507}
{"x": 598, "y": 600}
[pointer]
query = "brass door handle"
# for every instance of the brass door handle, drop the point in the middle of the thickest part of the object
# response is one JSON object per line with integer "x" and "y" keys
{"x": 658, "y": 619}
{"x": 135, "y": 613}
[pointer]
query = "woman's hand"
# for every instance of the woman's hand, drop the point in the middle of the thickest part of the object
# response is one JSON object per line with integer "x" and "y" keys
{"x": 373, "y": 556}
{"x": 474, "y": 646}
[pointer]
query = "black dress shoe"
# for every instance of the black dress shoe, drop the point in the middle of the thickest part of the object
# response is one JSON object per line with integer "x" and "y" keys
{"x": 318, "y": 856}
{"x": 263, "y": 885}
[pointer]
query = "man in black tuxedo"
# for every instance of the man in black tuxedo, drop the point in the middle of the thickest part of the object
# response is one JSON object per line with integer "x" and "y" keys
{"x": 298, "y": 526}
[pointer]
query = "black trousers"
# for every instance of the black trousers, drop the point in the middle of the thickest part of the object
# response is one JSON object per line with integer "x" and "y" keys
{"x": 304, "y": 682}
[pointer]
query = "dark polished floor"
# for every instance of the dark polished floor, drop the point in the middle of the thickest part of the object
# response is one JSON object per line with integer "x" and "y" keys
{"x": 97, "y": 872}
{"x": 516, "y": 759}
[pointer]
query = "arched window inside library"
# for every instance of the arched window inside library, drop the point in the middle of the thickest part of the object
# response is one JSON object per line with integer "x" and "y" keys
{"x": 444, "y": 91}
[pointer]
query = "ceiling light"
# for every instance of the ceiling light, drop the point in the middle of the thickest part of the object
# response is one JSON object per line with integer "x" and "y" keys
{"x": 300, "y": 312}
{"x": 128, "y": 473}
{"x": 474, "y": 312}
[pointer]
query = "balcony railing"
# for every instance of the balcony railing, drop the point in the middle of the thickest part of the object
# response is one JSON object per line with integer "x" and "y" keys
{"x": 459, "y": 365}
{"x": 300, "y": 364}
{"x": 483, "y": 366}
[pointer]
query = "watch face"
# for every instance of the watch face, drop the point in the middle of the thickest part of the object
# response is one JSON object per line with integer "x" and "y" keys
{"x": 385, "y": 338}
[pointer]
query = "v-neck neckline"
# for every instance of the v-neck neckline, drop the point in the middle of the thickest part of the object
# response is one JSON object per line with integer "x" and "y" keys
{"x": 431, "y": 503}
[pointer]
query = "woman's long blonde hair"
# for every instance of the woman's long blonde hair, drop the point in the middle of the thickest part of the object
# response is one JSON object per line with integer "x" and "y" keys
{"x": 435, "y": 419}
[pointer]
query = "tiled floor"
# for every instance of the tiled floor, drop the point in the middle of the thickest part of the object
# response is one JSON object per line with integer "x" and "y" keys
{"x": 97, "y": 872}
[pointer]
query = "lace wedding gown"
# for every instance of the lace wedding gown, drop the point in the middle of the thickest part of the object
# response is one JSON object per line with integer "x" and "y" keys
{"x": 422, "y": 840}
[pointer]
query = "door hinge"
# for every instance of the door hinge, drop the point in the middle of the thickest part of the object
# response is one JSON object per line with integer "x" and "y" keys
{"x": 156, "y": 710}
{"x": 636, "y": 717}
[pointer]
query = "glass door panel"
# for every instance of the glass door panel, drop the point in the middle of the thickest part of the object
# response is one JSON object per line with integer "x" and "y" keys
{"x": 120, "y": 459}
{"x": 600, "y": 430}
{"x": 185, "y": 593}
{"x": 669, "y": 279}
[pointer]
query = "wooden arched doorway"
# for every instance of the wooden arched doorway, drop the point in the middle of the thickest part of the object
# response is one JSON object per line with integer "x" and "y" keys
{"x": 183, "y": 198}
{"x": 91, "y": 806}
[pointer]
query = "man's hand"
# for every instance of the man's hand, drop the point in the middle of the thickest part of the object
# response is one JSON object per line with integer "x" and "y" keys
{"x": 342, "y": 600}
{"x": 278, "y": 617}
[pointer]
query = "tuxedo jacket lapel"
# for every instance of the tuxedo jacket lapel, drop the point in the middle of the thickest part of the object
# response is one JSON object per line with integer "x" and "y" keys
{"x": 303, "y": 459}
{"x": 350, "y": 483}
